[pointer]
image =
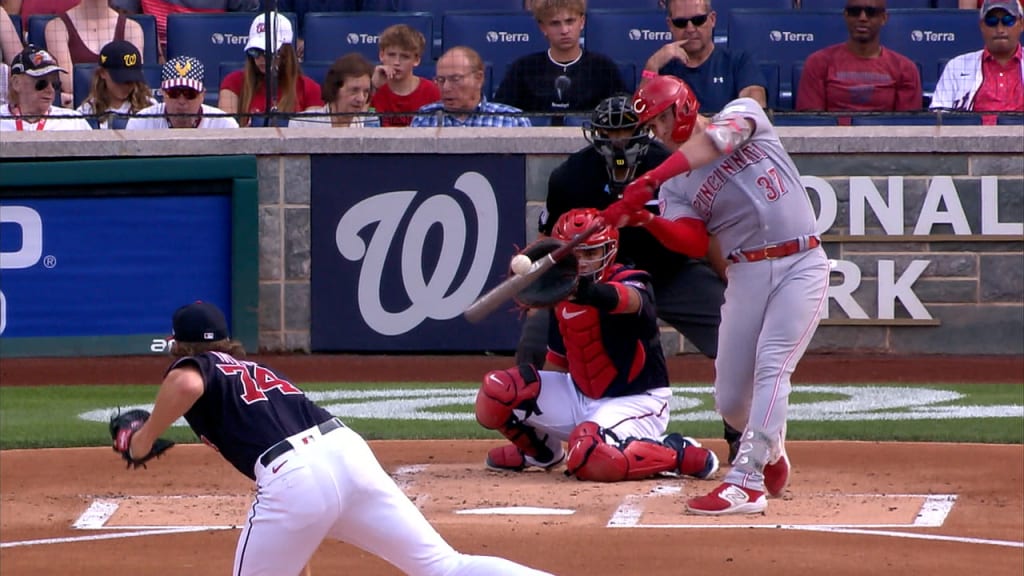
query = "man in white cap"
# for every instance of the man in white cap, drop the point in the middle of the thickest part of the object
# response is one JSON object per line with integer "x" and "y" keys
{"x": 990, "y": 79}
{"x": 35, "y": 81}
{"x": 182, "y": 85}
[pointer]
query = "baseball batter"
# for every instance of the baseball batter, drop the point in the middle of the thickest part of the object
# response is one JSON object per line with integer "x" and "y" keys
{"x": 315, "y": 477}
{"x": 608, "y": 397}
{"x": 731, "y": 177}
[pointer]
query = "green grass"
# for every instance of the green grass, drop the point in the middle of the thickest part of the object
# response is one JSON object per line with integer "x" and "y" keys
{"x": 48, "y": 416}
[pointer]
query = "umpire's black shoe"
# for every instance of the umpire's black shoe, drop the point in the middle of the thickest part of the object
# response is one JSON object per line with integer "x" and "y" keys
{"x": 732, "y": 437}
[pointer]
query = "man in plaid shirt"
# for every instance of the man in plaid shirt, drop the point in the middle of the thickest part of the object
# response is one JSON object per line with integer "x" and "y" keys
{"x": 991, "y": 79}
{"x": 460, "y": 76}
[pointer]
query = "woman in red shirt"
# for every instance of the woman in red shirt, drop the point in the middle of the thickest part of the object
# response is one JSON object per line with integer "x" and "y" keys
{"x": 243, "y": 92}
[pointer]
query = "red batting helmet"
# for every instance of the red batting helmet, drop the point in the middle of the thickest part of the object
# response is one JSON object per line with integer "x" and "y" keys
{"x": 657, "y": 95}
{"x": 592, "y": 261}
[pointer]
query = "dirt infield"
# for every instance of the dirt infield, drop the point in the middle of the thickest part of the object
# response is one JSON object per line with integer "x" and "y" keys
{"x": 852, "y": 508}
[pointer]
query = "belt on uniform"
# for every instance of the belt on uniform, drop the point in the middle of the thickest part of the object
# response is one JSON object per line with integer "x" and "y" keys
{"x": 773, "y": 251}
{"x": 284, "y": 446}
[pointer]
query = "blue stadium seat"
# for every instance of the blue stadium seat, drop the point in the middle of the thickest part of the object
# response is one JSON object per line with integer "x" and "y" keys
{"x": 437, "y": 7}
{"x": 302, "y": 7}
{"x": 620, "y": 4}
{"x": 838, "y": 5}
{"x": 1009, "y": 119}
{"x": 330, "y": 35}
{"x": 770, "y": 71}
{"x": 37, "y": 33}
{"x": 500, "y": 38}
{"x": 627, "y": 36}
{"x": 946, "y": 4}
{"x": 805, "y": 120}
{"x": 628, "y": 71}
{"x": 212, "y": 38}
{"x": 784, "y": 37}
{"x": 315, "y": 70}
{"x": 922, "y": 119}
{"x": 16, "y": 20}
{"x": 724, "y": 8}
{"x": 928, "y": 36}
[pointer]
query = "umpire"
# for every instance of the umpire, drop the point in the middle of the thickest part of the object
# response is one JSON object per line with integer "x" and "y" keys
{"x": 688, "y": 292}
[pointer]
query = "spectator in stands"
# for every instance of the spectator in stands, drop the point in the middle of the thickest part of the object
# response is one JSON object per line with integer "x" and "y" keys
{"x": 860, "y": 74}
{"x": 346, "y": 90}
{"x": 460, "y": 76}
{"x": 397, "y": 88}
{"x": 182, "y": 85}
{"x": 716, "y": 75}
{"x": 159, "y": 9}
{"x": 990, "y": 79}
{"x": 34, "y": 85}
{"x": 10, "y": 42}
{"x": 76, "y": 37}
{"x": 971, "y": 4}
{"x": 244, "y": 91}
{"x": 118, "y": 87}
{"x": 565, "y": 77}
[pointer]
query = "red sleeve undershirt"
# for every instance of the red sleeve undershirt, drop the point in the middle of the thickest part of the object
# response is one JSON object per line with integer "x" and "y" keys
{"x": 686, "y": 236}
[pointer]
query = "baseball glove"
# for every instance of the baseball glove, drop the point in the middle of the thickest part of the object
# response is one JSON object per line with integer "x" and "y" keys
{"x": 123, "y": 426}
{"x": 556, "y": 283}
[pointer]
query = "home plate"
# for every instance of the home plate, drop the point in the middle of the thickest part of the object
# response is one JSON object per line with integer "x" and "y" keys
{"x": 519, "y": 511}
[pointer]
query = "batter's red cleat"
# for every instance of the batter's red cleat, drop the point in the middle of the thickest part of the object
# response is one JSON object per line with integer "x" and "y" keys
{"x": 508, "y": 458}
{"x": 776, "y": 477}
{"x": 728, "y": 499}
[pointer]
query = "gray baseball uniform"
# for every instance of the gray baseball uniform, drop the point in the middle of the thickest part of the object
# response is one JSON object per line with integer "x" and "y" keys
{"x": 753, "y": 202}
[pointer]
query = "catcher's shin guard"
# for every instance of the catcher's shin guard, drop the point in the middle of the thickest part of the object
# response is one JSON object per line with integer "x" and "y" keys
{"x": 504, "y": 391}
{"x": 591, "y": 458}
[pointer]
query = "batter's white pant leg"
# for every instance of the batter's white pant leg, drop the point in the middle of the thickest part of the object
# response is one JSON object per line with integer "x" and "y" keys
{"x": 376, "y": 515}
{"x": 742, "y": 316}
{"x": 791, "y": 318}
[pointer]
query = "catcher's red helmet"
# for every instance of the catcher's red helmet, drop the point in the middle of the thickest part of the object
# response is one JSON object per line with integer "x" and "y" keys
{"x": 657, "y": 95}
{"x": 596, "y": 253}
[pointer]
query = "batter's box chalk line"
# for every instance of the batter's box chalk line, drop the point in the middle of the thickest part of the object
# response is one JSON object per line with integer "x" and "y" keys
{"x": 932, "y": 514}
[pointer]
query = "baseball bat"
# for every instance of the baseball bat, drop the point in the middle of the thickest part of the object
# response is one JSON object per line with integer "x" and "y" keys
{"x": 489, "y": 302}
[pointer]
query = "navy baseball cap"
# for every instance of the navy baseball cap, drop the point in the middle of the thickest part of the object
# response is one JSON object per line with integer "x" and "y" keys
{"x": 122, "y": 60}
{"x": 199, "y": 322}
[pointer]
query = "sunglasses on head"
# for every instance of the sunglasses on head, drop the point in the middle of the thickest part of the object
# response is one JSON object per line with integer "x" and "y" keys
{"x": 870, "y": 11}
{"x": 175, "y": 93}
{"x": 255, "y": 53}
{"x": 697, "y": 20}
{"x": 44, "y": 83}
{"x": 1007, "y": 20}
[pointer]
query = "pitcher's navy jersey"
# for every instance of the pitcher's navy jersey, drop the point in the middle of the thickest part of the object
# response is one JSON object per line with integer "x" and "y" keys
{"x": 246, "y": 408}
{"x": 610, "y": 355}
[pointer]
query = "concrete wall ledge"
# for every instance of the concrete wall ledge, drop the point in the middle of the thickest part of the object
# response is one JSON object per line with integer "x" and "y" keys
{"x": 533, "y": 141}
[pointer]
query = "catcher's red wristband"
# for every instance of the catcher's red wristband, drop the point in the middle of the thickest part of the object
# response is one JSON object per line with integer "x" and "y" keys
{"x": 676, "y": 163}
{"x": 686, "y": 236}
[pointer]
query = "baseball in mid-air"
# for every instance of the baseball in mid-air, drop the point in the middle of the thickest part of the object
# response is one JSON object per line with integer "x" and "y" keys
{"x": 521, "y": 264}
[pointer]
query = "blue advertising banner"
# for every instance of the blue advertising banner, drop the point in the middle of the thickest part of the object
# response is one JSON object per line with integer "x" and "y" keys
{"x": 401, "y": 245}
{"x": 110, "y": 266}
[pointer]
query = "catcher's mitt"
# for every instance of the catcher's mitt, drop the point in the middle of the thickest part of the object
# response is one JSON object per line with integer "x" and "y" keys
{"x": 123, "y": 426}
{"x": 556, "y": 283}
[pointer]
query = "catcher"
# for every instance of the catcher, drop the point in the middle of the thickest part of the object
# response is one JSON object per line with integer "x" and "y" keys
{"x": 314, "y": 476}
{"x": 609, "y": 395}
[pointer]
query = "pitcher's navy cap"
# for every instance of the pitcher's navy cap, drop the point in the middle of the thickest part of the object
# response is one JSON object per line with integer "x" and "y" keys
{"x": 199, "y": 322}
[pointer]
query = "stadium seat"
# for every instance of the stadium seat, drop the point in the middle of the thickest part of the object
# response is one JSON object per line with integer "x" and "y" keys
{"x": 783, "y": 37}
{"x": 627, "y": 36}
{"x": 212, "y": 38}
{"x": 619, "y": 5}
{"x": 500, "y": 38}
{"x": 302, "y": 7}
{"x": 928, "y": 36}
{"x": 628, "y": 71}
{"x": 16, "y": 20}
{"x": 37, "y": 33}
{"x": 315, "y": 70}
{"x": 770, "y": 71}
{"x": 945, "y": 4}
{"x": 724, "y": 8}
{"x": 922, "y": 119}
{"x": 805, "y": 120}
{"x": 438, "y": 7}
{"x": 838, "y": 5}
{"x": 330, "y": 35}
{"x": 1010, "y": 119}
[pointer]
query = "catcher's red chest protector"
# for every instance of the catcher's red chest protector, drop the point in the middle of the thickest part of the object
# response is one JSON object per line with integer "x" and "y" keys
{"x": 589, "y": 364}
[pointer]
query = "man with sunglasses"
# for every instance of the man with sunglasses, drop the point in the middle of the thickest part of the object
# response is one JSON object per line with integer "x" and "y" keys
{"x": 860, "y": 74}
{"x": 34, "y": 84}
{"x": 182, "y": 85}
{"x": 716, "y": 75}
{"x": 990, "y": 79}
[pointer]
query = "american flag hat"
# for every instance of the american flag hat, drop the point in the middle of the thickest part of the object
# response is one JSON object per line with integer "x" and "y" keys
{"x": 183, "y": 72}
